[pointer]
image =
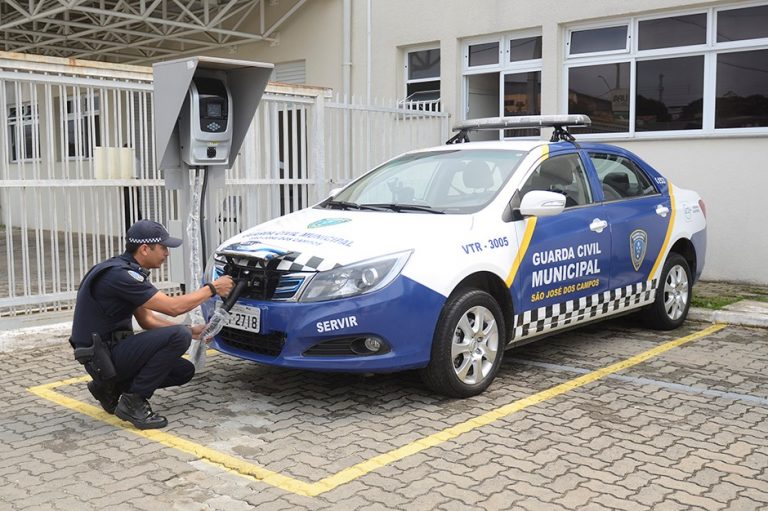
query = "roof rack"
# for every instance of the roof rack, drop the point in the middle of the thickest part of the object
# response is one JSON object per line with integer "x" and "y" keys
{"x": 559, "y": 122}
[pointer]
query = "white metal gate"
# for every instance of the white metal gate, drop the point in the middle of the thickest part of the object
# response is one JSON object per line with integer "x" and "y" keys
{"x": 77, "y": 166}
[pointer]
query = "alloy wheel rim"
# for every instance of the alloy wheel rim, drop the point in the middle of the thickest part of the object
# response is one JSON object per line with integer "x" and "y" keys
{"x": 676, "y": 292}
{"x": 475, "y": 345}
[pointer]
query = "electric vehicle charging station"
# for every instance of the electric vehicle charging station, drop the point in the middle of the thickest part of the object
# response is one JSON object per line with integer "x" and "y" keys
{"x": 202, "y": 109}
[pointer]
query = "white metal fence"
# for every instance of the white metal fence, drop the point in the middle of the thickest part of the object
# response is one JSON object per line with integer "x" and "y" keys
{"x": 77, "y": 166}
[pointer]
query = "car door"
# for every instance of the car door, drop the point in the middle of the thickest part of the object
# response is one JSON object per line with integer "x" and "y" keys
{"x": 638, "y": 215}
{"x": 567, "y": 260}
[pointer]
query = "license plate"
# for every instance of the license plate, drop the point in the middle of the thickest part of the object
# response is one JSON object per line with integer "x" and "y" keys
{"x": 244, "y": 317}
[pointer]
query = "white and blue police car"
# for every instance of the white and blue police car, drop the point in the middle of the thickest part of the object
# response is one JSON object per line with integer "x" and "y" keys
{"x": 442, "y": 258}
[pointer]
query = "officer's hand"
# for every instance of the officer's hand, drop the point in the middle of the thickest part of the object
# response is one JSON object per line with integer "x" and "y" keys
{"x": 196, "y": 330}
{"x": 224, "y": 285}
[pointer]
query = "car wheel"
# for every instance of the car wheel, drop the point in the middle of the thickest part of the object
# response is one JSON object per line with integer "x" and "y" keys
{"x": 468, "y": 345}
{"x": 673, "y": 297}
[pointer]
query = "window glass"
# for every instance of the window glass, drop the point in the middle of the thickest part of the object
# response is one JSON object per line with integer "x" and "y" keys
{"x": 424, "y": 64}
{"x": 506, "y": 87}
{"x": 599, "y": 39}
{"x": 451, "y": 181}
{"x": 674, "y": 31}
{"x": 741, "y": 24}
{"x": 23, "y": 133}
{"x": 561, "y": 174}
{"x": 620, "y": 177}
{"x": 602, "y": 93}
{"x": 423, "y": 91}
{"x": 422, "y": 86}
{"x": 742, "y": 89}
{"x": 79, "y": 136}
{"x": 484, "y": 54}
{"x": 528, "y": 48}
{"x": 83, "y": 126}
{"x": 522, "y": 96}
{"x": 483, "y": 101}
{"x": 21, "y": 151}
{"x": 670, "y": 94}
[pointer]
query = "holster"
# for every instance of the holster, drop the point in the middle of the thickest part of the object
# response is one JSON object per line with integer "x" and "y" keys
{"x": 97, "y": 359}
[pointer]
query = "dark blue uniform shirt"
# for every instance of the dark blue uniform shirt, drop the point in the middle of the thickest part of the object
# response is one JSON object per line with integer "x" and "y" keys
{"x": 108, "y": 296}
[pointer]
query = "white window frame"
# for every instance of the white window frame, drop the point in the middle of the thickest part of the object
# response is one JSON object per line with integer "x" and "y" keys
{"x": 17, "y": 124}
{"x": 78, "y": 114}
{"x": 505, "y": 67}
{"x": 593, "y": 26}
{"x": 405, "y": 102}
{"x": 709, "y": 50}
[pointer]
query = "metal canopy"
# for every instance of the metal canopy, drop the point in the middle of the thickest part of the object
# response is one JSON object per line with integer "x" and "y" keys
{"x": 138, "y": 32}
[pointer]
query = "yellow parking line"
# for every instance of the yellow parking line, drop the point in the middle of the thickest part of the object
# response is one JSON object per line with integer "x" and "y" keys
{"x": 258, "y": 473}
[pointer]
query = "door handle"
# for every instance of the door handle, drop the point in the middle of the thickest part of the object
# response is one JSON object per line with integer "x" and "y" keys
{"x": 662, "y": 210}
{"x": 598, "y": 225}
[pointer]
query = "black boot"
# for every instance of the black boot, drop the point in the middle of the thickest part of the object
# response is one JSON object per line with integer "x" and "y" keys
{"x": 106, "y": 394}
{"x": 136, "y": 410}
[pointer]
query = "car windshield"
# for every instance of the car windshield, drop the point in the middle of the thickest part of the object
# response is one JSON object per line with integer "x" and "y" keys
{"x": 459, "y": 181}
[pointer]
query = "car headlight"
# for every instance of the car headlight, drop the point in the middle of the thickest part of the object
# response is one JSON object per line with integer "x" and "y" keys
{"x": 355, "y": 279}
{"x": 214, "y": 267}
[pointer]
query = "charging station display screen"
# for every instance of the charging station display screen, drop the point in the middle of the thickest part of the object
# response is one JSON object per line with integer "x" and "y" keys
{"x": 213, "y": 110}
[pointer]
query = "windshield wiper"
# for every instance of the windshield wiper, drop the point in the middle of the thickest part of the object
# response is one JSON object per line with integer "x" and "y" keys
{"x": 399, "y": 208}
{"x": 340, "y": 204}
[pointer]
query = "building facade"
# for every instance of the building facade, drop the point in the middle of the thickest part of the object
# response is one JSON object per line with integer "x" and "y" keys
{"x": 683, "y": 84}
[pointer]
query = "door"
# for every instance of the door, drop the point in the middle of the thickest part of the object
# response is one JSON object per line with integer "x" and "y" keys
{"x": 567, "y": 260}
{"x": 638, "y": 215}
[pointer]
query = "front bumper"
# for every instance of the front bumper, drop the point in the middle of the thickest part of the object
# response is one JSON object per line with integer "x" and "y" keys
{"x": 402, "y": 315}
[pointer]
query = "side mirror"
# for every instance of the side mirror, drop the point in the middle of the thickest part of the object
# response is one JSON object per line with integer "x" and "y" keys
{"x": 541, "y": 203}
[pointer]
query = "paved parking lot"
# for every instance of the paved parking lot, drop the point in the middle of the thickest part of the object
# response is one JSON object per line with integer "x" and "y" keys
{"x": 576, "y": 421}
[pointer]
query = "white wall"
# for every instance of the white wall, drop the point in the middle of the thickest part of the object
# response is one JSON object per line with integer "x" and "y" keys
{"x": 313, "y": 34}
{"x": 731, "y": 175}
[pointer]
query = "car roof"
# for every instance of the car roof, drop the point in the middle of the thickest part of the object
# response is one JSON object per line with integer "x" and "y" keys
{"x": 526, "y": 145}
{"x": 510, "y": 145}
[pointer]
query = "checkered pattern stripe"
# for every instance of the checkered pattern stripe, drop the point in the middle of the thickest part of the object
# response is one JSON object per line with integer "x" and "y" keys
{"x": 560, "y": 315}
{"x": 296, "y": 261}
{"x": 142, "y": 241}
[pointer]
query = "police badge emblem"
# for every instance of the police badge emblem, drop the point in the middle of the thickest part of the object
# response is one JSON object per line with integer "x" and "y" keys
{"x": 136, "y": 275}
{"x": 638, "y": 242}
{"x": 325, "y": 222}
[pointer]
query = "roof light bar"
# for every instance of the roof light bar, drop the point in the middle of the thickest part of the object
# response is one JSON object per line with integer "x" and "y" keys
{"x": 523, "y": 121}
{"x": 559, "y": 122}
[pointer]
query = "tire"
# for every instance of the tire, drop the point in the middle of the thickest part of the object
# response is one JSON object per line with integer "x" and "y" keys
{"x": 466, "y": 355}
{"x": 673, "y": 297}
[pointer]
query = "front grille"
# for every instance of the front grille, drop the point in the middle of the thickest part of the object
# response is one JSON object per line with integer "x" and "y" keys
{"x": 335, "y": 347}
{"x": 264, "y": 282}
{"x": 270, "y": 344}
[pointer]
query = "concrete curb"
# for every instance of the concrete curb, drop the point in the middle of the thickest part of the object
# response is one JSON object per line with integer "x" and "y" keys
{"x": 730, "y": 317}
{"x": 34, "y": 336}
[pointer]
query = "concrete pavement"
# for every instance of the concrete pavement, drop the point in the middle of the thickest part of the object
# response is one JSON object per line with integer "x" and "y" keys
{"x": 607, "y": 417}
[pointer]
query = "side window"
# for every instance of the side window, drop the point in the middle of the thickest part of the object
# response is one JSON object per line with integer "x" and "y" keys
{"x": 562, "y": 174}
{"x": 620, "y": 177}
{"x": 422, "y": 83}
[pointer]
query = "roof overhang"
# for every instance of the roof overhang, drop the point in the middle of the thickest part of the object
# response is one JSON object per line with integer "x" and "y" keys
{"x": 142, "y": 32}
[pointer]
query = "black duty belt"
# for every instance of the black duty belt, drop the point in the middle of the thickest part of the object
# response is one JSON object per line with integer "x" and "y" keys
{"x": 118, "y": 336}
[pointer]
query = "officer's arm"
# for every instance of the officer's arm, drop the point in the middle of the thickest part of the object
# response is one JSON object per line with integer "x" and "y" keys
{"x": 175, "y": 305}
{"x": 148, "y": 320}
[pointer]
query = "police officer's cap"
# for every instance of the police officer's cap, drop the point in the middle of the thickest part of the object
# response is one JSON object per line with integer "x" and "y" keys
{"x": 148, "y": 232}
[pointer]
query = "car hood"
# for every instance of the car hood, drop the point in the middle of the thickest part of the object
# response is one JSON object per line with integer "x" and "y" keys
{"x": 320, "y": 239}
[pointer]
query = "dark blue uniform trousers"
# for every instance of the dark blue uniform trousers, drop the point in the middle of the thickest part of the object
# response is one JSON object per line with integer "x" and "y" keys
{"x": 151, "y": 360}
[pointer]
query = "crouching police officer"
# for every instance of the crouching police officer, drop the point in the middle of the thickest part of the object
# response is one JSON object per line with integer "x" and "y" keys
{"x": 128, "y": 367}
